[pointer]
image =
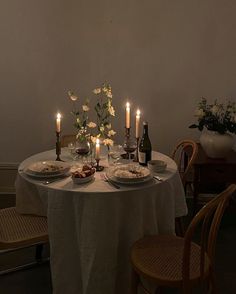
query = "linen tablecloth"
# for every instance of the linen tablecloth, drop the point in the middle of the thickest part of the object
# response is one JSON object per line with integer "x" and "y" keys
{"x": 92, "y": 226}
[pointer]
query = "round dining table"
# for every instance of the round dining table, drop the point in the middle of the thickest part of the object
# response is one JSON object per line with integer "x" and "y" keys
{"x": 92, "y": 226}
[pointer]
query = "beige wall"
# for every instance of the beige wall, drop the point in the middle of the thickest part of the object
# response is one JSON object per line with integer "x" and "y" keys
{"x": 162, "y": 54}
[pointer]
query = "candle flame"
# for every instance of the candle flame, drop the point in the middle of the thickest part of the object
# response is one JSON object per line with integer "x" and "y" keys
{"x": 128, "y": 105}
{"x": 58, "y": 115}
{"x": 138, "y": 112}
{"x": 97, "y": 141}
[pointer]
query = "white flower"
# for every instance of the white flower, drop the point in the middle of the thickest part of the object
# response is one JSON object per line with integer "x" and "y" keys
{"x": 72, "y": 96}
{"x": 97, "y": 91}
{"x": 91, "y": 125}
{"x": 199, "y": 113}
{"x": 102, "y": 129}
{"x": 85, "y": 107}
{"x": 111, "y": 110}
{"x": 108, "y": 142}
{"x": 111, "y": 133}
{"x": 108, "y": 126}
{"x": 104, "y": 89}
{"x": 109, "y": 94}
{"x": 215, "y": 109}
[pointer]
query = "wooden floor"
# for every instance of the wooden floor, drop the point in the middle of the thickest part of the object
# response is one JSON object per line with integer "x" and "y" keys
{"x": 37, "y": 280}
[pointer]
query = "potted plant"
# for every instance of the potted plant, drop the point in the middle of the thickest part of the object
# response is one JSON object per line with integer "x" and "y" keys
{"x": 218, "y": 123}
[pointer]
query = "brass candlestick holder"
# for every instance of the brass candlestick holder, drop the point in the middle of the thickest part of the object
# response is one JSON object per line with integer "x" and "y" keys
{"x": 127, "y": 145}
{"x": 58, "y": 146}
{"x": 127, "y": 132}
{"x": 98, "y": 167}
{"x": 136, "y": 154}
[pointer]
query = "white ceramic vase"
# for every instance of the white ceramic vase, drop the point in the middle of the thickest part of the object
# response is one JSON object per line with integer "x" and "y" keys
{"x": 215, "y": 144}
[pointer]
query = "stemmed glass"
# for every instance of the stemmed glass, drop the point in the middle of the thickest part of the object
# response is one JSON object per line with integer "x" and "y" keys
{"x": 82, "y": 150}
{"x": 130, "y": 145}
{"x": 114, "y": 154}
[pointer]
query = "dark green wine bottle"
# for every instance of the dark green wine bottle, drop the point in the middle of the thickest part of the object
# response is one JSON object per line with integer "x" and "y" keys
{"x": 145, "y": 147}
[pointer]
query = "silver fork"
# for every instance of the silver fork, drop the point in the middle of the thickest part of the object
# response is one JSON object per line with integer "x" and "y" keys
{"x": 106, "y": 179}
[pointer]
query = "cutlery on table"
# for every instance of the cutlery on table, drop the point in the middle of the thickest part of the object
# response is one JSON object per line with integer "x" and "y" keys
{"x": 49, "y": 181}
{"x": 158, "y": 178}
{"x": 106, "y": 179}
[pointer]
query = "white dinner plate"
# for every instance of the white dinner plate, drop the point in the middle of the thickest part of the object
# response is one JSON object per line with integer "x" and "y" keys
{"x": 129, "y": 174}
{"x": 46, "y": 169}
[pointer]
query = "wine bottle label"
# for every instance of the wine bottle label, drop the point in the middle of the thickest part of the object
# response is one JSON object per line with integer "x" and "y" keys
{"x": 142, "y": 157}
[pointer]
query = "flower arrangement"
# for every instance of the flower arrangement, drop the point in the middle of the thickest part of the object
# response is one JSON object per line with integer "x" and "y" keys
{"x": 81, "y": 117}
{"x": 216, "y": 117}
{"x": 104, "y": 111}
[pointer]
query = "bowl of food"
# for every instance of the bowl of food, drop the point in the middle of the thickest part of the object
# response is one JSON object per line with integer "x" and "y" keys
{"x": 83, "y": 175}
{"x": 157, "y": 166}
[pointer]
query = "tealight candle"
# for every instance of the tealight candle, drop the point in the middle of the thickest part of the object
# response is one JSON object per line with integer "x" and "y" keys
{"x": 58, "y": 122}
{"x": 127, "y": 124}
{"x": 97, "y": 150}
{"x": 137, "y": 123}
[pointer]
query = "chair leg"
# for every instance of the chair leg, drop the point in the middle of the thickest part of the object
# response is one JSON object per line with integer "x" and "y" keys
{"x": 212, "y": 284}
{"x": 38, "y": 253}
{"x": 134, "y": 282}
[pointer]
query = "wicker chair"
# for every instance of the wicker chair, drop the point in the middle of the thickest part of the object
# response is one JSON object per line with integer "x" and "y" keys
{"x": 66, "y": 139}
{"x": 184, "y": 155}
{"x": 172, "y": 261}
{"x": 18, "y": 231}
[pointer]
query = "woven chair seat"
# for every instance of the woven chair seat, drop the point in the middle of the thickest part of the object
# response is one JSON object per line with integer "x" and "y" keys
{"x": 17, "y": 229}
{"x": 159, "y": 258}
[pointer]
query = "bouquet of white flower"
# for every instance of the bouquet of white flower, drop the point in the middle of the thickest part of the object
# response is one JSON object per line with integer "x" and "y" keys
{"x": 104, "y": 111}
{"x": 216, "y": 117}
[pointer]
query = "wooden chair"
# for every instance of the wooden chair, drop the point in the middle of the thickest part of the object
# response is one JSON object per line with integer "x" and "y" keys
{"x": 184, "y": 154}
{"x": 66, "y": 139}
{"x": 18, "y": 231}
{"x": 172, "y": 261}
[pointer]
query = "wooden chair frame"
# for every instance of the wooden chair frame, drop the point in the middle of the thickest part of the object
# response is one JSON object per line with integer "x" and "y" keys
{"x": 210, "y": 217}
{"x": 184, "y": 154}
{"x": 188, "y": 152}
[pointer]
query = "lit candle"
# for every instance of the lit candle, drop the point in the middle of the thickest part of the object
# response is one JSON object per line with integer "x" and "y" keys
{"x": 127, "y": 121}
{"x": 58, "y": 128}
{"x": 137, "y": 123}
{"x": 97, "y": 150}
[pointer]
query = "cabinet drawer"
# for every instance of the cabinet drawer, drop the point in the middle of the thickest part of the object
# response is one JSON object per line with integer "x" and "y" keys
{"x": 222, "y": 174}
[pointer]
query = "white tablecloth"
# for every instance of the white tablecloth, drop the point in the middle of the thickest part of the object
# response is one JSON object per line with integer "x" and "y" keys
{"x": 92, "y": 226}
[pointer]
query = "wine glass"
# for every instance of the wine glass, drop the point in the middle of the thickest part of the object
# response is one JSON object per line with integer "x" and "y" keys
{"x": 71, "y": 147}
{"x": 129, "y": 146}
{"x": 114, "y": 154}
{"x": 82, "y": 150}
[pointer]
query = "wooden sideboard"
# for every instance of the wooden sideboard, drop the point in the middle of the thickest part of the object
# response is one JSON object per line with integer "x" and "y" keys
{"x": 212, "y": 175}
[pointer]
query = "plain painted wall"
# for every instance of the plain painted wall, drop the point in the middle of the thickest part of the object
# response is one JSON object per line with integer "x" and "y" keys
{"x": 162, "y": 55}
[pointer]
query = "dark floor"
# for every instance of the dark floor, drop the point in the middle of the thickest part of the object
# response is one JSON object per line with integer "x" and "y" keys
{"x": 37, "y": 280}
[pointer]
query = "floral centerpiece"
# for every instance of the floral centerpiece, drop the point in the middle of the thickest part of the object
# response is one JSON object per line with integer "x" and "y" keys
{"x": 104, "y": 110}
{"x": 81, "y": 117}
{"x": 219, "y": 122}
{"x": 216, "y": 117}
